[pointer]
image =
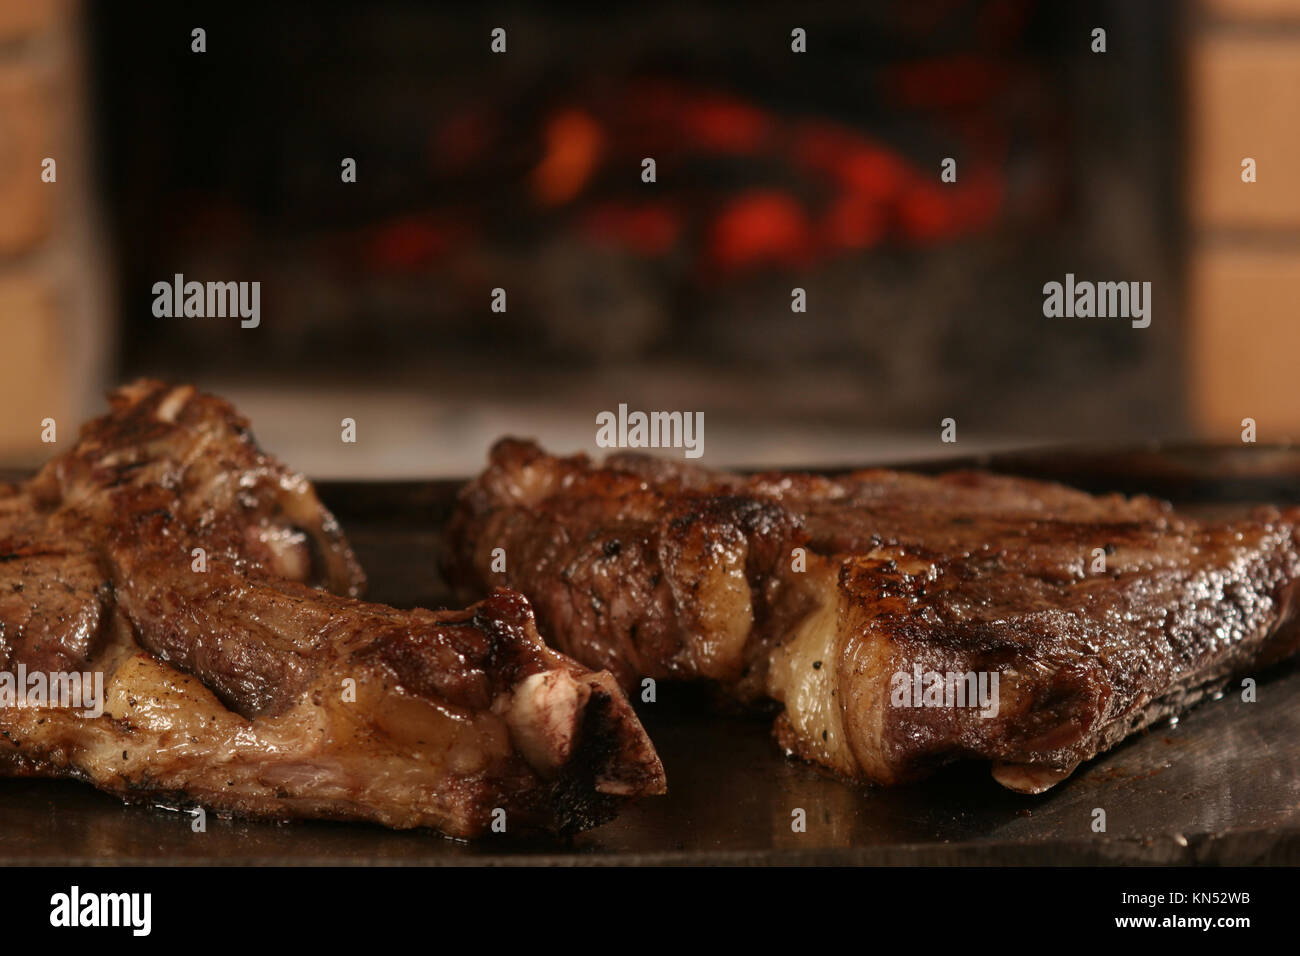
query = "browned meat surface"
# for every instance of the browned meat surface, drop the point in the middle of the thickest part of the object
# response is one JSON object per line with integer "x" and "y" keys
{"x": 846, "y": 583}
{"x": 218, "y": 598}
{"x": 649, "y": 578}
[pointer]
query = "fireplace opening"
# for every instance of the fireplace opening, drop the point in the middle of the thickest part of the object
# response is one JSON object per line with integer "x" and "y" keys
{"x": 502, "y": 255}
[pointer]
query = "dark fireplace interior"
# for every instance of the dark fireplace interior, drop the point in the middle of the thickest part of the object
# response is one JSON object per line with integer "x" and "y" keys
{"x": 775, "y": 170}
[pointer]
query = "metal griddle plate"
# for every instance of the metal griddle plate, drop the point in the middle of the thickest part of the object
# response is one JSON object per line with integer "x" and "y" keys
{"x": 1222, "y": 786}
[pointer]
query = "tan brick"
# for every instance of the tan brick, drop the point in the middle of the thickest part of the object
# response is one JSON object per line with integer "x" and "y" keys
{"x": 25, "y": 139}
{"x": 1252, "y": 9}
{"x": 1243, "y": 103}
{"x": 1244, "y": 341}
{"x": 22, "y": 18}
{"x": 33, "y": 367}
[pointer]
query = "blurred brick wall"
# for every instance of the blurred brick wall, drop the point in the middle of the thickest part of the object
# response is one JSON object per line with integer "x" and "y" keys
{"x": 1244, "y": 101}
{"x": 54, "y": 338}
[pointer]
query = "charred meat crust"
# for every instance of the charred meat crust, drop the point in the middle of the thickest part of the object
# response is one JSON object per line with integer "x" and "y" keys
{"x": 166, "y": 552}
{"x": 815, "y": 591}
{"x": 1084, "y": 659}
{"x": 639, "y": 580}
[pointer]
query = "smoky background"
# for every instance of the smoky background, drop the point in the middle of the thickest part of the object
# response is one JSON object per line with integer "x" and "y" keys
{"x": 775, "y": 170}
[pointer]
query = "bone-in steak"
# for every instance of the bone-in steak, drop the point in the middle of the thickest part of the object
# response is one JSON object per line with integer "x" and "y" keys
{"x": 843, "y": 599}
{"x": 218, "y": 599}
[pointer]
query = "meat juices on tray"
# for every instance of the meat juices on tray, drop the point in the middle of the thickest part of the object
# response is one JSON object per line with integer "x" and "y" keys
{"x": 219, "y": 600}
{"x": 842, "y": 599}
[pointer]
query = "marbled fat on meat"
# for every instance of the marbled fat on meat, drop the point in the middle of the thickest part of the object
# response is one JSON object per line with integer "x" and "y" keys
{"x": 242, "y": 673}
{"x": 813, "y": 593}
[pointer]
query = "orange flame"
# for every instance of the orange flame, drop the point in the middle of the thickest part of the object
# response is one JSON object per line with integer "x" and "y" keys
{"x": 574, "y": 144}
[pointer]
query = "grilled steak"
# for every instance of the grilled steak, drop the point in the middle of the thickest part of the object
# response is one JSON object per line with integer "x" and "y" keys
{"x": 873, "y": 608}
{"x": 218, "y": 599}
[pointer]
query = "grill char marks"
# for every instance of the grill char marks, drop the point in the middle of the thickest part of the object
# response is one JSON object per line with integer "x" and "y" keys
{"x": 167, "y": 552}
{"x": 962, "y": 573}
{"x": 643, "y": 580}
{"x": 171, "y": 458}
{"x": 1083, "y": 659}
